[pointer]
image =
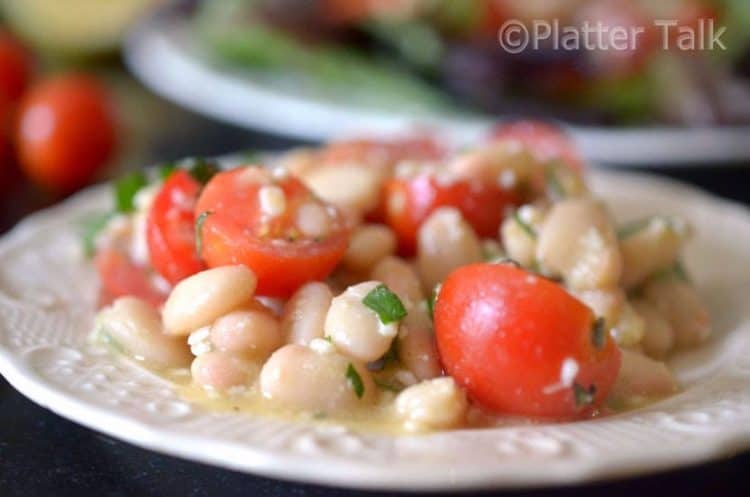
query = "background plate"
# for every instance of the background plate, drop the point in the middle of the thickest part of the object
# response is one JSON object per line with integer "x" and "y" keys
{"x": 161, "y": 52}
{"x": 47, "y": 295}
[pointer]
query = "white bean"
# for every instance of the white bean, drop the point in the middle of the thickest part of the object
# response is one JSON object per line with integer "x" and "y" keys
{"x": 401, "y": 278}
{"x": 445, "y": 241}
{"x": 348, "y": 186}
{"x": 357, "y": 330}
{"x": 300, "y": 378}
{"x": 681, "y": 305}
{"x": 577, "y": 241}
{"x": 659, "y": 338}
{"x": 507, "y": 163}
{"x": 604, "y": 303}
{"x": 641, "y": 376}
{"x": 630, "y": 328}
{"x": 436, "y": 404}
{"x": 656, "y": 246}
{"x": 134, "y": 326}
{"x": 368, "y": 245}
{"x": 200, "y": 299}
{"x": 222, "y": 371}
{"x": 417, "y": 349}
{"x": 305, "y": 313}
{"x": 249, "y": 332}
{"x": 519, "y": 239}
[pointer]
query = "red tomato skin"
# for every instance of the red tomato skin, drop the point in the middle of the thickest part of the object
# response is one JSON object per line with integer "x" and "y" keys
{"x": 227, "y": 238}
{"x": 121, "y": 277}
{"x": 16, "y": 67}
{"x": 66, "y": 132}
{"x": 410, "y": 202}
{"x": 170, "y": 229}
{"x": 503, "y": 334}
{"x": 544, "y": 141}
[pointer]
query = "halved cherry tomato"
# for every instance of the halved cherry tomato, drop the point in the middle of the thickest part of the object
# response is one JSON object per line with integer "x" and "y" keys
{"x": 410, "y": 201}
{"x": 236, "y": 230}
{"x": 121, "y": 277}
{"x": 520, "y": 344}
{"x": 170, "y": 229}
{"x": 544, "y": 141}
{"x": 15, "y": 67}
{"x": 66, "y": 132}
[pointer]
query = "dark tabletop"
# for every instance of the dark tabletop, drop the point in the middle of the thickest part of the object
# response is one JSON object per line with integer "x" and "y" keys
{"x": 42, "y": 454}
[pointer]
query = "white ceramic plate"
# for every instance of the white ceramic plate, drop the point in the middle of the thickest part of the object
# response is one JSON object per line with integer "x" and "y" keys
{"x": 162, "y": 54}
{"x": 47, "y": 295}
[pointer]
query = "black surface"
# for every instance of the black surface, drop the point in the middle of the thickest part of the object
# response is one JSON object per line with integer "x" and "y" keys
{"x": 42, "y": 454}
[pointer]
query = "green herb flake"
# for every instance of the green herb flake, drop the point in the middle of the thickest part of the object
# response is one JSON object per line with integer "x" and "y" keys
{"x": 201, "y": 170}
{"x": 355, "y": 381}
{"x": 126, "y": 189}
{"x": 91, "y": 227}
{"x": 583, "y": 396}
{"x": 554, "y": 187}
{"x": 432, "y": 301}
{"x": 386, "y": 304}
{"x": 676, "y": 271}
{"x": 527, "y": 228}
{"x": 199, "y": 231}
{"x": 599, "y": 333}
{"x": 394, "y": 386}
{"x": 164, "y": 171}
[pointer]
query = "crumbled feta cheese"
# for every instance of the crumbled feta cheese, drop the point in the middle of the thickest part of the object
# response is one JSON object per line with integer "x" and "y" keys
{"x": 200, "y": 341}
{"x": 272, "y": 201}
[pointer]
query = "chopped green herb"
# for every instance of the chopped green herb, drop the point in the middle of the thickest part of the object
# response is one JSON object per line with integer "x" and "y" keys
{"x": 92, "y": 226}
{"x": 599, "y": 333}
{"x": 328, "y": 338}
{"x": 635, "y": 227}
{"x": 508, "y": 260}
{"x": 320, "y": 415}
{"x": 676, "y": 271}
{"x": 385, "y": 303}
{"x": 527, "y": 228}
{"x": 554, "y": 187}
{"x": 165, "y": 170}
{"x": 394, "y": 386}
{"x": 199, "y": 231}
{"x": 125, "y": 190}
{"x": 583, "y": 396}
{"x": 433, "y": 300}
{"x": 201, "y": 170}
{"x": 355, "y": 381}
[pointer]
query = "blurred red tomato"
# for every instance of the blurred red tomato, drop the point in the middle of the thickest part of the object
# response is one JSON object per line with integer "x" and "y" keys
{"x": 15, "y": 67}
{"x": 66, "y": 131}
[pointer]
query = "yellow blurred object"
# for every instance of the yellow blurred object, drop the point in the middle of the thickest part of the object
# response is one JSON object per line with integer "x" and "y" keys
{"x": 74, "y": 27}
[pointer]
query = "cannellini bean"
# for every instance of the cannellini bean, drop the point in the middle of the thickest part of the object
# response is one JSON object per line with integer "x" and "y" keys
{"x": 401, "y": 278}
{"x": 350, "y": 186}
{"x": 299, "y": 377}
{"x": 417, "y": 349}
{"x": 656, "y": 246}
{"x": 578, "y": 242}
{"x": 445, "y": 241}
{"x": 659, "y": 338}
{"x": 200, "y": 299}
{"x": 368, "y": 245}
{"x": 134, "y": 326}
{"x": 314, "y": 220}
{"x": 641, "y": 376}
{"x": 630, "y": 327}
{"x": 604, "y": 303}
{"x": 305, "y": 313}
{"x": 681, "y": 305}
{"x": 249, "y": 332}
{"x": 357, "y": 330}
{"x": 219, "y": 370}
{"x": 436, "y": 404}
{"x": 507, "y": 163}
{"x": 519, "y": 239}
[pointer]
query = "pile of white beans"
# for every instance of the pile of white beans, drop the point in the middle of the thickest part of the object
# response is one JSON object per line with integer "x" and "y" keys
{"x": 324, "y": 351}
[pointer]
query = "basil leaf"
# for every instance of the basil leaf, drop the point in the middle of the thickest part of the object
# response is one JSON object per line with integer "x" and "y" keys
{"x": 583, "y": 396}
{"x": 201, "y": 170}
{"x": 554, "y": 187}
{"x": 355, "y": 381}
{"x": 92, "y": 226}
{"x": 125, "y": 190}
{"x": 385, "y": 303}
{"x": 165, "y": 170}
{"x": 432, "y": 301}
{"x": 527, "y": 228}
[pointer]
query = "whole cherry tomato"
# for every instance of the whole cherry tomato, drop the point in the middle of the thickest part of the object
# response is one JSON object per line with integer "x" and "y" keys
{"x": 170, "y": 228}
{"x": 16, "y": 66}
{"x": 66, "y": 132}
{"x": 274, "y": 226}
{"x": 521, "y": 344}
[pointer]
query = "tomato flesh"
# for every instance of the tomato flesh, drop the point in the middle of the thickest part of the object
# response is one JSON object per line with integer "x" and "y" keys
{"x": 235, "y": 232}
{"x": 121, "y": 277}
{"x": 410, "y": 201}
{"x": 521, "y": 345}
{"x": 170, "y": 229}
